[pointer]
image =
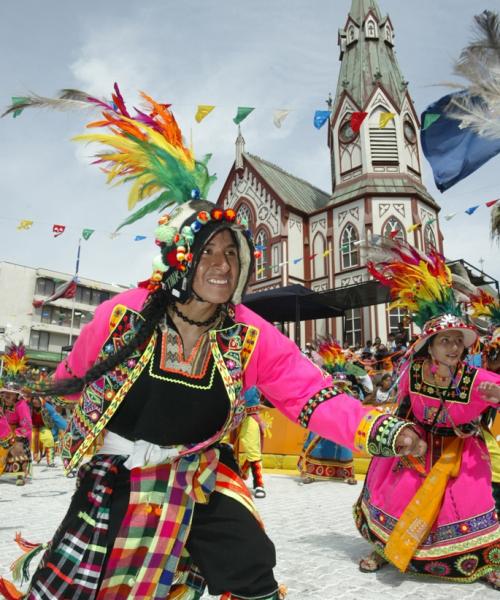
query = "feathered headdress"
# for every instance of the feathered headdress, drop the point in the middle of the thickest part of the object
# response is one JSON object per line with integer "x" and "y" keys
{"x": 14, "y": 368}
{"x": 145, "y": 149}
{"x": 486, "y": 306}
{"x": 422, "y": 285}
{"x": 479, "y": 63}
{"x": 335, "y": 361}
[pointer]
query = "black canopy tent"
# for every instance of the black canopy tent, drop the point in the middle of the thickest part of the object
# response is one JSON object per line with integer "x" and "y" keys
{"x": 296, "y": 303}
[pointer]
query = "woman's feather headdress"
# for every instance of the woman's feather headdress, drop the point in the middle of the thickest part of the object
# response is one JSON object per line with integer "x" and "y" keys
{"x": 485, "y": 305}
{"x": 145, "y": 149}
{"x": 335, "y": 360}
{"x": 14, "y": 360}
{"x": 419, "y": 283}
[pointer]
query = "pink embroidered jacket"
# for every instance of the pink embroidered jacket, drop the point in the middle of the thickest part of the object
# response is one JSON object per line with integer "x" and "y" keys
{"x": 16, "y": 421}
{"x": 252, "y": 353}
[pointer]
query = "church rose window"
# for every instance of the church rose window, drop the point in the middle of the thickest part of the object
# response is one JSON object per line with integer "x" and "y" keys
{"x": 346, "y": 134}
{"x": 409, "y": 131}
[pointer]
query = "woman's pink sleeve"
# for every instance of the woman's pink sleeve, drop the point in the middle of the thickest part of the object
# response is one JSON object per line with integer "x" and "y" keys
{"x": 23, "y": 415}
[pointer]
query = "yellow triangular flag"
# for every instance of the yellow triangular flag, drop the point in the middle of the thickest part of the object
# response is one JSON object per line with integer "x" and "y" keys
{"x": 385, "y": 117}
{"x": 326, "y": 252}
{"x": 25, "y": 224}
{"x": 414, "y": 227}
{"x": 203, "y": 111}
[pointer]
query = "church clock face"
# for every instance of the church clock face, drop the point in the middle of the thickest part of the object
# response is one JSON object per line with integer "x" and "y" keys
{"x": 346, "y": 134}
{"x": 410, "y": 133}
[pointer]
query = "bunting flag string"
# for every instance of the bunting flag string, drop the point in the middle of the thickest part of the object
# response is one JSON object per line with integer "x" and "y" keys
{"x": 25, "y": 224}
{"x": 85, "y": 233}
{"x": 242, "y": 113}
{"x": 385, "y": 119}
{"x": 202, "y": 111}
{"x": 357, "y": 119}
{"x": 472, "y": 209}
{"x": 279, "y": 115}
{"x": 58, "y": 230}
{"x": 320, "y": 118}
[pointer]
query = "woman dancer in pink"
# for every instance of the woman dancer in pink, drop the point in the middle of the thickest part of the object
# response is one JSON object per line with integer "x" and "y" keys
{"x": 435, "y": 515}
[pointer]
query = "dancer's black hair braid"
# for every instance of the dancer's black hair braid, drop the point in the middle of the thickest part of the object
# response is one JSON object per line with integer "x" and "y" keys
{"x": 152, "y": 313}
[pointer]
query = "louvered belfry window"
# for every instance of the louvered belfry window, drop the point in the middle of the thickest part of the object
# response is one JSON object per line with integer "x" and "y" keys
{"x": 384, "y": 145}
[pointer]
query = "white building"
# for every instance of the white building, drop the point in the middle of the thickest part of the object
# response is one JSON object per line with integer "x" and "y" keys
{"x": 45, "y": 330}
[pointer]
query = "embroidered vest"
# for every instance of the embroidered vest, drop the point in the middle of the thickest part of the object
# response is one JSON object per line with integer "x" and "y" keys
{"x": 231, "y": 347}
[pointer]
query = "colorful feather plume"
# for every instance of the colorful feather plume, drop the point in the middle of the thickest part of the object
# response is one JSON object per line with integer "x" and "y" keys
{"x": 145, "y": 149}
{"x": 419, "y": 283}
{"x": 485, "y": 305}
{"x": 479, "y": 63}
{"x": 335, "y": 360}
{"x": 14, "y": 361}
{"x": 333, "y": 357}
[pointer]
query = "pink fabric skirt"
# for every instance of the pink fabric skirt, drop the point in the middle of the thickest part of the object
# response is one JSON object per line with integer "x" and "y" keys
{"x": 464, "y": 543}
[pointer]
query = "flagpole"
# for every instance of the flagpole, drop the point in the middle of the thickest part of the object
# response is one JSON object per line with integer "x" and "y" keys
{"x": 77, "y": 268}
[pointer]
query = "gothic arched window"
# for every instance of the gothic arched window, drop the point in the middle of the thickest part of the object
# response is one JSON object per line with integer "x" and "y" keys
{"x": 320, "y": 264}
{"x": 349, "y": 253}
{"x": 245, "y": 214}
{"x": 261, "y": 243}
{"x": 392, "y": 224}
{"x": 429, "y": 239}
{"x": 351, "y": 34}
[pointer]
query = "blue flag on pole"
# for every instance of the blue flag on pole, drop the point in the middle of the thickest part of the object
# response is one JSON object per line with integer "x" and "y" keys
{"x": 321, "y": 117}
{"x": 453, "y": 153}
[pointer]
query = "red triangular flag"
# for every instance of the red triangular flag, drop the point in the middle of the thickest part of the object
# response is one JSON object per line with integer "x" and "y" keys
{"x": 492, "y": 202}
{"x": 393, "y": 233}
{"x": 58, "y": 230}
{"x": 356, "y": 119}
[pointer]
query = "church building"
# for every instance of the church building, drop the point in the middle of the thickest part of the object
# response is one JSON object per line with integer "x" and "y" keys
{"x": 377, "y": 187}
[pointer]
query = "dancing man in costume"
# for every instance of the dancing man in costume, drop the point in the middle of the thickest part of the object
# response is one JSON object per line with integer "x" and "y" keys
{"x": 161, "y": 512}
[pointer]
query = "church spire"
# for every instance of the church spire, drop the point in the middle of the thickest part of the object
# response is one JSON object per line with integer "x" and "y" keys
{"x": 367, "y": 55}
{"x": 240, "y": 149}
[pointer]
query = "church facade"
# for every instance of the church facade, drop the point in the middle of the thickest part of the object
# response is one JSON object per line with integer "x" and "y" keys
{"x": 377, "y": 187}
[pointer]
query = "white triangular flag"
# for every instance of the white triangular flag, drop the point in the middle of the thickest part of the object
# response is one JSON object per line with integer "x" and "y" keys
{"x": 279, "y": 115}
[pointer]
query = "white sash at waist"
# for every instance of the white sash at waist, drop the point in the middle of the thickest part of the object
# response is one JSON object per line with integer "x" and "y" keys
{"x": 140, "y": 453}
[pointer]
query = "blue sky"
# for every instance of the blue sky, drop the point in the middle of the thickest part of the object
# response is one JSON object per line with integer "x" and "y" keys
{"x": 265, "y": 53}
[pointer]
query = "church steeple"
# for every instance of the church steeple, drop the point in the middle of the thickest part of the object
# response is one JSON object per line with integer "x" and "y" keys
{"x": 371, "y": 81}
{"x": 240, "y": 149}
{"x": 367, "y": 54}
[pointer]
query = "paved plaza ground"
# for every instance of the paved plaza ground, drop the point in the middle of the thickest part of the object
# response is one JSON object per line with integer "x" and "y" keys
{"x": 311, "y": 525}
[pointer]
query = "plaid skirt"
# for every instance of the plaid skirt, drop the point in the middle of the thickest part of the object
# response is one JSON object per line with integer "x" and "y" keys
{"x": 226, "y": 548}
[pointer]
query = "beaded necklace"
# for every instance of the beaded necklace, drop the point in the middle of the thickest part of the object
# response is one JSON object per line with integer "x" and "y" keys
{"x": 209, "y": 321}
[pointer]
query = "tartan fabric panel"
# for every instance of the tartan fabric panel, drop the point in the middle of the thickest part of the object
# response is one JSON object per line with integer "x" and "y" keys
{"x": 144, "y": 559}
{"x": 73, "y": 568}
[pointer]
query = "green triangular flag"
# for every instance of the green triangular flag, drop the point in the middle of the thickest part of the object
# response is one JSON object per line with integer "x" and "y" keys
{"x": 429, "y": 119}
{"x": 86, "y": 233}
{"x": 243, "y": 112}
